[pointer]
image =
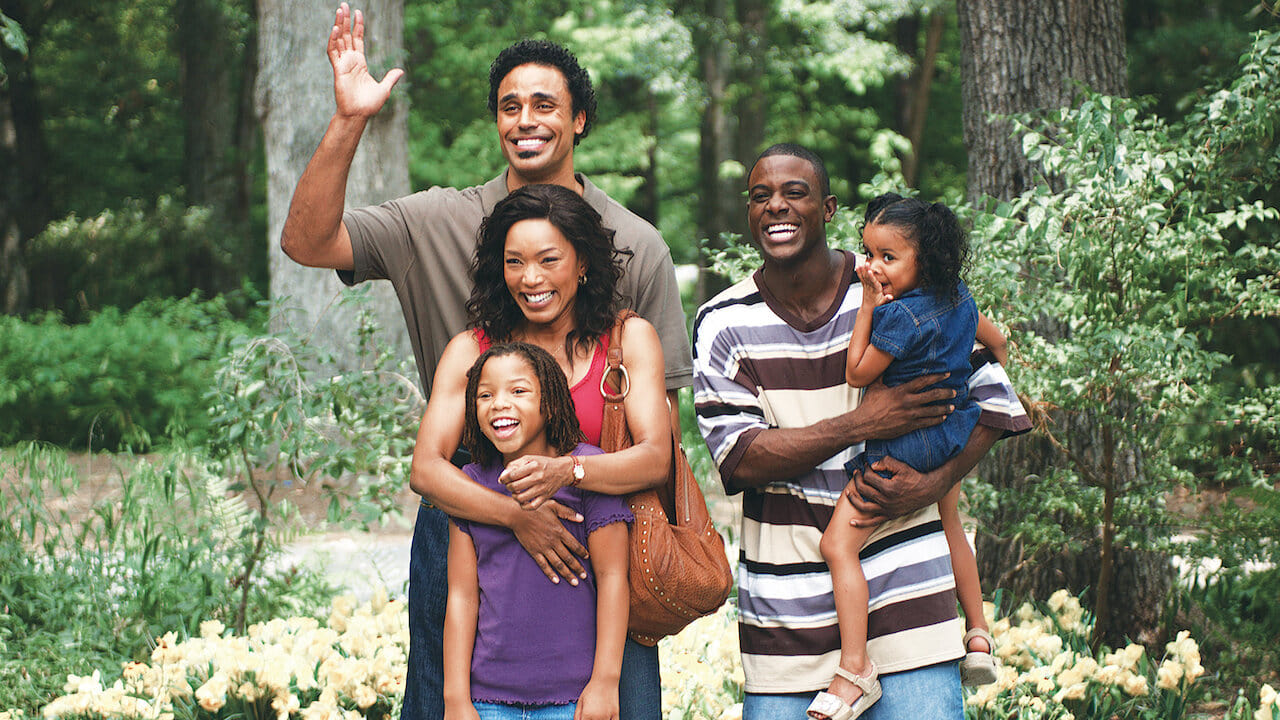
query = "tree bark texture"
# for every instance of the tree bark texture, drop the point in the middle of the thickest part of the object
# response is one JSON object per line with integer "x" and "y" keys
{"x": 217, "y": 67}
{"x": 731, "y": 40}
{"x": 25, "y": 208}
{"x": 294, "y": 99}
{"x": 1022, "y": 56}
{"x": 1025, "y": 55}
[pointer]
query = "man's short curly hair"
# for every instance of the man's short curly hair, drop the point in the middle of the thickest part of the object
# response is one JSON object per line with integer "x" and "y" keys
{"x": 545, "y": 52}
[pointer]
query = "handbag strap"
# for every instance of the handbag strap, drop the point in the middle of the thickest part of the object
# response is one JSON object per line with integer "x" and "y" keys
{"x": 614, "y": 382}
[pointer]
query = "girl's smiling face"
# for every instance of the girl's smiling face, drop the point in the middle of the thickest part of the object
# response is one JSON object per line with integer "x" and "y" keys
{"x": 509, "y": 407}
{"x": 891, "y": 258}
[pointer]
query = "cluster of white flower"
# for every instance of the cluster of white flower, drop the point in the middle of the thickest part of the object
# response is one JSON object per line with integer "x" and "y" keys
{"x": 702, "y": 670}
{"x": 294, "y": 667}
{"x": 1268, "y": 704}
{"x": 1042, "y": 675}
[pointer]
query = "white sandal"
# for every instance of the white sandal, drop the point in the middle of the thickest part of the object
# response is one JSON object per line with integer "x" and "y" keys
{"x": 978, "y": 668}
{"x": 832, "y": 707}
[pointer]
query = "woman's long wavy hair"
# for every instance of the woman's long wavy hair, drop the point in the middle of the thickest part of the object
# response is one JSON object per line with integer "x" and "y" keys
{"x": 491, "y": 307}
{"x": 942, "y": 247}
{"x": 560, "y": 421}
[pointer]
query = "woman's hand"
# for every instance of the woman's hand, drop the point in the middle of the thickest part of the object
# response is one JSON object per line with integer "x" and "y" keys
{"x": 534, "y": 479}
{"x": 599, "y": 701}
{"x": 545, "y": 538}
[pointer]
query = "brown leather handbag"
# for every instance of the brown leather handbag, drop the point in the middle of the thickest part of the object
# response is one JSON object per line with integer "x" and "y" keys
{"x": 678, "y": 569}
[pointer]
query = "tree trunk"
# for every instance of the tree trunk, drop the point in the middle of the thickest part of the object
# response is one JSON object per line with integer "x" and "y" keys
{"x": 24, "y": 207}
{"x": 730, "y": 40}
{"x": 913, "y": 91}
{"x": 212, "y": 50}
{"x": 714, "y": 138}
{"x": 1024, "y": 56}
{"x": 294, "y": 98}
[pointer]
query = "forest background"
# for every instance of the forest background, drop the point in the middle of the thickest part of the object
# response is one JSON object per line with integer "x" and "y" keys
{"x": 147, "y": 308}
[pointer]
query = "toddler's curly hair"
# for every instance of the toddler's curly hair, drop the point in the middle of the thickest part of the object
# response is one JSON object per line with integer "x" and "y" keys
{"x": 942, "y": 247}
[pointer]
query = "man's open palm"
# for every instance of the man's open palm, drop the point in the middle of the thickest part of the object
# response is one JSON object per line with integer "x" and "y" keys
{"x": 354, "y": 89}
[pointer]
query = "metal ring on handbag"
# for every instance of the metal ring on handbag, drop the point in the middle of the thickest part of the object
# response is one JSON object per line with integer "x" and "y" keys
{"x": 624, "y": 386}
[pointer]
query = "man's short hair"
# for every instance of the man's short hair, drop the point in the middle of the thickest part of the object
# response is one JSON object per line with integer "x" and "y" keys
{"x": 545, "y": 52}
{"x": 803, "y": 153}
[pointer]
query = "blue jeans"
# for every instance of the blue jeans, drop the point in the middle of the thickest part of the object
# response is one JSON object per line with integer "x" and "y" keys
{"x": 498, "y": 711}
{"x": 640, "y": 686}
{"x": 428, "y": 592}
{"x": 928, "y": 692}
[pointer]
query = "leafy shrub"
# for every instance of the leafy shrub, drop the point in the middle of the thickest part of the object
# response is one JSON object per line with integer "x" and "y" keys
{"x": 122, "y": 257}
{"x": 281, "y": 414}
{"x": 121, "y": 379}
{"x": 90, "y": 585}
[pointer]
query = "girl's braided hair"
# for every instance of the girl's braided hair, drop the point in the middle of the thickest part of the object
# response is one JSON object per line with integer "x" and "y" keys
{"x": 556, "y": 404}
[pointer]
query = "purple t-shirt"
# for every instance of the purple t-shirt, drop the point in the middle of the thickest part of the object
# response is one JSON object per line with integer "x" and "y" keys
{"x": 535, "y": 640}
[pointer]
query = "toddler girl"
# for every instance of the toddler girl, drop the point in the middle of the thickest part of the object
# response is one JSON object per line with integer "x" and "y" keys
{"x": 917, "y": 318}
{"x": 515, "y": 644}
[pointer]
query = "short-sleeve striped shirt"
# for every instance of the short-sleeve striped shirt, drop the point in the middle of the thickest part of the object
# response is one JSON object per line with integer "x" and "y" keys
{"x": 757, "y": 366}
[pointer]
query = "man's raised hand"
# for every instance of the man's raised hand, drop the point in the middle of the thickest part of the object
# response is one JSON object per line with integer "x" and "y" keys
{"x": 354, "y": 89}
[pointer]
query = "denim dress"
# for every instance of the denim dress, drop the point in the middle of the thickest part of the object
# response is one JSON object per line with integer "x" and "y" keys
{"x": 926, "y": 333}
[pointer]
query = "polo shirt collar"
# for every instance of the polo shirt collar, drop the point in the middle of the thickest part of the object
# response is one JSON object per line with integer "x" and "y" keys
{"x": 492, "y": 192}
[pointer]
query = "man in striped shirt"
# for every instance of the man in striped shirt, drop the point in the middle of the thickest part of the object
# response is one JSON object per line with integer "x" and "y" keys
{"x": 780, "y": 420}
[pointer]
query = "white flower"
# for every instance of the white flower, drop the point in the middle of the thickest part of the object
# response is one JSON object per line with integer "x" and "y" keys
{"x": 364, "y": 696}
{"x": 213, "y": 694}
{"x": 1071, "y": 692}
{"x": 1169, "y": 676}
{"x": 1136, "y": 685}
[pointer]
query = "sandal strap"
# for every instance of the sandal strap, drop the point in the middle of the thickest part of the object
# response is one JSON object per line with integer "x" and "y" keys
{"x": 982, "y": 634}
{"x": 864, "y": 682}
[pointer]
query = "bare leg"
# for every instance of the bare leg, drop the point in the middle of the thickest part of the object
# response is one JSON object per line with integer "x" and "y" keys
{"x": 840, "y": 545}
{"x": 965, "y": 567}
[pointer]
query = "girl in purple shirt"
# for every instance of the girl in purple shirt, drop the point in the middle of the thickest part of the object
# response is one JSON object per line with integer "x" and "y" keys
{"x": 515, "y": 644}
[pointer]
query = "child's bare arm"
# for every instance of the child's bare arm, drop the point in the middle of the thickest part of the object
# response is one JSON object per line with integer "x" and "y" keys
{"x": 460, "y": 616}
{"x": 865, "y": 362}
{"x": 608, "y": 548}
{"x": 990, "y": 336}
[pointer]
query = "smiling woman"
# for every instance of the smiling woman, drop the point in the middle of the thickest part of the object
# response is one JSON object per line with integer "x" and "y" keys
{"x": 546, "y": 273}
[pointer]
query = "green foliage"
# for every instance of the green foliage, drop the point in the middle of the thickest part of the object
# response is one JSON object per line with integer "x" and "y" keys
{"x": 1114, "y": 286}
{"x": 1239, "y": 620}
{"x": 89, "y": 579}
{"x": 120, "y": 379}
{"x": 119, "y": 258}
{"x": 109, "y": 88}
{"x": 281, "y": 416}
{"x": 12, "y": 37}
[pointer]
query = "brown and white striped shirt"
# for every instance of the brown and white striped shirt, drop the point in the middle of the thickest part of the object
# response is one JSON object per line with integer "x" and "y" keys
{"x": 757, "y": 366}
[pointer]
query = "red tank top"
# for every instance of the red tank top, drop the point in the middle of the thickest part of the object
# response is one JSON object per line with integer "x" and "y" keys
{"x": 588, "y": 403}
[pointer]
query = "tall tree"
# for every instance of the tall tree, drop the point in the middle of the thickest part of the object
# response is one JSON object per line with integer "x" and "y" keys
{"x": 217, "y": 57}
{"x": 24, "y": 202}
{"x": 1027, "y": 56}
{"x": 1020, "y": 56}
{"x": 294, "y": 97}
